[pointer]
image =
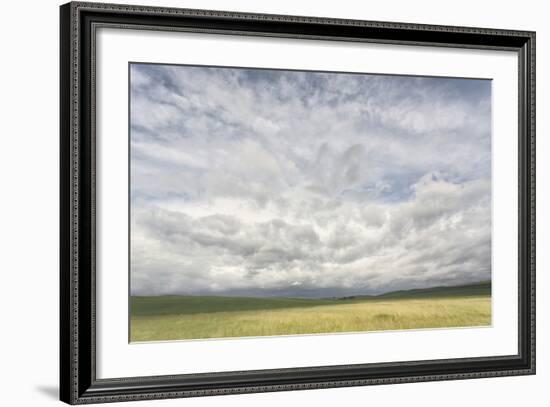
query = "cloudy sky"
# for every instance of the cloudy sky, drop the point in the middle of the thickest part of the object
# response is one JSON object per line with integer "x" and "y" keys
{"x": 265, "y": 182}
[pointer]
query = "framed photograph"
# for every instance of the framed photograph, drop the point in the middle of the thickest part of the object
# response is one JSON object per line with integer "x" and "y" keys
{"x": 255, "y": 203}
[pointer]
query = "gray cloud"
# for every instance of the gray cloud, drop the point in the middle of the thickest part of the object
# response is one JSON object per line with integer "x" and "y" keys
{"x": 262, "y": 182}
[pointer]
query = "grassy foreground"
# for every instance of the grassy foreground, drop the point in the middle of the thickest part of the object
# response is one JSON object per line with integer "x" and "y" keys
{"x": 187, "y": 317}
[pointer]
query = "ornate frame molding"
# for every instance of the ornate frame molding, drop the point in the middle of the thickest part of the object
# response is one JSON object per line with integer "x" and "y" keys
{"x": 79, "y": 21}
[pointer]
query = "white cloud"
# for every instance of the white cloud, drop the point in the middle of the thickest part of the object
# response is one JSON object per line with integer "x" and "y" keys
{"x": 272, "y": 182}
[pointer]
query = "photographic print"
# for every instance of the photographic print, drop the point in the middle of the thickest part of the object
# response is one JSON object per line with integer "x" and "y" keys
{"x": 267, "y": 202}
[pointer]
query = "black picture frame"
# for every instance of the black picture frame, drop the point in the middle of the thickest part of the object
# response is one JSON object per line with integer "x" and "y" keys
{"x": 78, "y": 382}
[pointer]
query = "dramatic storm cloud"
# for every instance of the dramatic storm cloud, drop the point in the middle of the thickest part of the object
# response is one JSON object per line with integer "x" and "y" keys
{"x": 263, "y": 182}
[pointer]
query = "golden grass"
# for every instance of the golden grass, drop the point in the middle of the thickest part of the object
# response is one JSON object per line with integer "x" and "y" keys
{"x": 370, "y": 315}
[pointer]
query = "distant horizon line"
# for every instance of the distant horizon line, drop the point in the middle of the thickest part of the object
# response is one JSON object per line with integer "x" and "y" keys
{"x": 480, "y": 282}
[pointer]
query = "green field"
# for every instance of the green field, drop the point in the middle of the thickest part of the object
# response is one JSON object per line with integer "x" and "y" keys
{"x": 158, "y": 318}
